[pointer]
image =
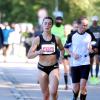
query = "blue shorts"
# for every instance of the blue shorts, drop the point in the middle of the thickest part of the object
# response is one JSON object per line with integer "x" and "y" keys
{"x": 80, "y": 72}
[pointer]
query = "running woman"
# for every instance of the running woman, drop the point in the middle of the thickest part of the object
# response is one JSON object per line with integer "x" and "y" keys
{"x": 45, "y": 46}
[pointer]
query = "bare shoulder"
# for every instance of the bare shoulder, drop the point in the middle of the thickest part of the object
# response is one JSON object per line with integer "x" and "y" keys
{"x": 36, "y": 40}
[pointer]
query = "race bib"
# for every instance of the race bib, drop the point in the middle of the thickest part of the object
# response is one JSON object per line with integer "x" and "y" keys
{"x": 97, "y": 35}
{"x": 48, "y": 48}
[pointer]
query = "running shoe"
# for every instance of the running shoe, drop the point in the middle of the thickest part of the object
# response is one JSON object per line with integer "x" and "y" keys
{"x": 94, "y": 81}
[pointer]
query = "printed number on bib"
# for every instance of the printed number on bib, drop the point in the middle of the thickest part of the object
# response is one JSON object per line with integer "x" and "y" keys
{"x": 48, "y": 48}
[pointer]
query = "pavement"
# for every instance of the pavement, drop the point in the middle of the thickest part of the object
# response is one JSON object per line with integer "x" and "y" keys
{"x": 18, "y": 81}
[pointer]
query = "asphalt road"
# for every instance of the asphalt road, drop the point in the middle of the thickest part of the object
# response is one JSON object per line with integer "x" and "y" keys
{"x": 18, "y": 81}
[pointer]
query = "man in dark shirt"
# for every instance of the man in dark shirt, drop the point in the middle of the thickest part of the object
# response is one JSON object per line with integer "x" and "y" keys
{"x": 1, "y": 38}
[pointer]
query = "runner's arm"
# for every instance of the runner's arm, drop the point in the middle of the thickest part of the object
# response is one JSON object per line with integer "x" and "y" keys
{"x": 61, "y": 48}
{"x": 32, "y": 53}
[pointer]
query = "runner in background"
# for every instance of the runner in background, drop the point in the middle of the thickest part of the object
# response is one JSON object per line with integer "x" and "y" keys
{"x": 58, "y": 29}
{"x": 1, "y": 39}
{"x": 6, "y": 44}
{"x": 78, "y": 45}
{"x": 98, "y": 45}
{"x": 95, "y": 29}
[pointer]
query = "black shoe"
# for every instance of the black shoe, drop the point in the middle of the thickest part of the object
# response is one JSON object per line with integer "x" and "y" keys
{"x": 82, "y": 97}
{"x": 66, "y": 87}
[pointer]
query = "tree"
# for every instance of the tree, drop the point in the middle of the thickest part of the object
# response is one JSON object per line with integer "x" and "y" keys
{"x": 26, "y": 10}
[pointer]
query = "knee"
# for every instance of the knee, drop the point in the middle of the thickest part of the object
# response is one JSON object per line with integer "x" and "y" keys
{"x": 76, "y": 88}
{"x": 46, "y": 95}
{"x": 53, "y": 93}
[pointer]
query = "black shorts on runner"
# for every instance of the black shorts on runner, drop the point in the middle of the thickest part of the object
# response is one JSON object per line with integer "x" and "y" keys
{"x": 66, "y": 56}
{"x": 80, "y": 72}
{"x": 92, "y": 55}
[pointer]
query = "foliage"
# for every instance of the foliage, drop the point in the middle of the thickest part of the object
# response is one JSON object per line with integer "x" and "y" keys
{"x": 26, "y": 10}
